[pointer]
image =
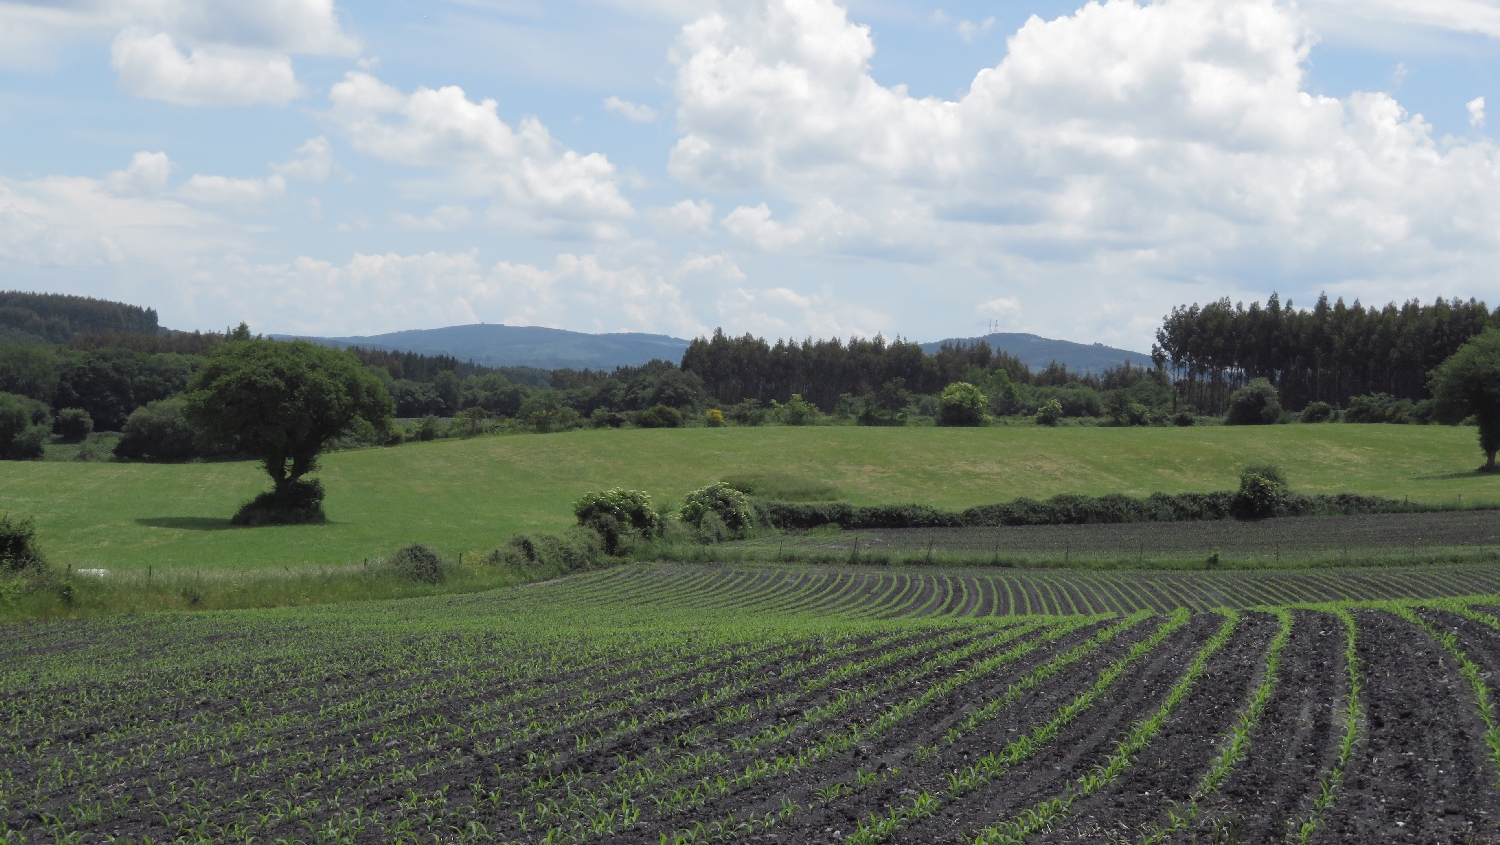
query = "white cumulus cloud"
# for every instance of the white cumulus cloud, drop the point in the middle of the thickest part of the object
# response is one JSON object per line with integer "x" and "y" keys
{"x": 687, "y": 217}
{"x": 187, "y": 52}
{"x": 147, "y": 174}
{"x": 1118, "y": 146}
{"x": 523, "y": 167}
{"x": 633, "y": 112}
{"x": 442, "y": 218}
{"x": 152, "y": 66}
{"x": 224, "y": 189}
{"x": 313, "y": 161}
{"x": 1004, "y": 306}
{"x": 1476, "y": 111}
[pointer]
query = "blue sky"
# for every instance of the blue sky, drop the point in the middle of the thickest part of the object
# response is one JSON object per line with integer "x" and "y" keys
{"x": 782, "y": 167}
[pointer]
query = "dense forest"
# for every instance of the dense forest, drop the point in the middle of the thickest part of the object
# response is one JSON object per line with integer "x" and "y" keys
{"x": 54, "y": 318}
{"x": 1328, "y": 353}
{"x": 68, "y": 361}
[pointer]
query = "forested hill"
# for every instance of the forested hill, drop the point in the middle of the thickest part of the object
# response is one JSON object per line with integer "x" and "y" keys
{"x": 55, "y": 317}
{"x": 1038, "y": 352}
{"x": 523, "y": 346}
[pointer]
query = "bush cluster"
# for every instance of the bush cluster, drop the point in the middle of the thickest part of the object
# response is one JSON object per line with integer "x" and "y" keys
{"x": 24, "y": 427}
{"x": 961, "y": 403}
{"x": 718, "y": 512}
{"x": 1257, "y": 403}
{"x": 576, "y": 549}
{"x": 19, "y": 552}
{"x": 419, "y": 564}
{"x": 158, "y": 431}
{"x": 1317, "y": 412}
{"x": 617, "y": 514}
{"x": 73, "y": 425}
{"x": 659, "y": 416}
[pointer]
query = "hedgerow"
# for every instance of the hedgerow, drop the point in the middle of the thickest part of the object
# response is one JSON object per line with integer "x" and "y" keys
{"x": 1071, "y": 509}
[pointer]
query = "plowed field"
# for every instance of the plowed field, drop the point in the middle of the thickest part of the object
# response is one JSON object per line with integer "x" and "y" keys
{"x": 685, "y": 705}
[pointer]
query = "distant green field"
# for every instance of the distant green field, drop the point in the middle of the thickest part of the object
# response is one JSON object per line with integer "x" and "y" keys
{"x": 470, "y": 495}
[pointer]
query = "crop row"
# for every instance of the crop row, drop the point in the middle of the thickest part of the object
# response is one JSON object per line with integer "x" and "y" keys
{"x": 879, "y": 593}
{"x": 436, "y": 721}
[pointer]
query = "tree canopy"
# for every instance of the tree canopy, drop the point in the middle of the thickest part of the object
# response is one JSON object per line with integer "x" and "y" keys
{"x": 284, "y": 402}
{"x": 1468, "y": 383}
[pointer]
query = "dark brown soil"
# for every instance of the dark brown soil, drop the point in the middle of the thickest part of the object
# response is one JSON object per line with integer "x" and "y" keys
{"x": 1421, "y": 774}
{"x": 1167, "y": 772}
{"x": 1075, "y": 750}
{"x": 1273, "y": 786}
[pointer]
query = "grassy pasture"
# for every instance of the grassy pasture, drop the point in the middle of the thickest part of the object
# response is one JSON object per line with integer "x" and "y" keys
{"x": 470, "y": 495}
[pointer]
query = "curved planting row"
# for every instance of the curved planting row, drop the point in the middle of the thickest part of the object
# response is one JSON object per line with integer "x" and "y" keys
{"x": 597, "y": 711}
{"x": 876, "y": 593}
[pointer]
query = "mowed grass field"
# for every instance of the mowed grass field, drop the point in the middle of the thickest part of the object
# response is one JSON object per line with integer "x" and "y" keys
{"x": 469, "y": 496}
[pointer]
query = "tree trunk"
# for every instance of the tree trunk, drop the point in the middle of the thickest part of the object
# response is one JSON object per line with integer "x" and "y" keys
{"x": 1489, "y": 465}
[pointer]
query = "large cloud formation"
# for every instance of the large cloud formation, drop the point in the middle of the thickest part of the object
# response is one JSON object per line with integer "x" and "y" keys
{"x": 1173, "y": 139}
{"x": 186, "y": 52}
{"x": 524, "y": 168}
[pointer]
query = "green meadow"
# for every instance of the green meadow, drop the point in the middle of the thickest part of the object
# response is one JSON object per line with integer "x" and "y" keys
{"x": 469, "y": 496}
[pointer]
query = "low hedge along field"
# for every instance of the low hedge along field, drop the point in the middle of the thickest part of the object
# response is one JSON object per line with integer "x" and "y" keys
{"x": 644, "y": 705}
{"x": 471, "y": 496}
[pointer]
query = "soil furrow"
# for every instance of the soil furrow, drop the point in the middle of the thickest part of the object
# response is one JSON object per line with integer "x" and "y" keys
{"x": 1421, "y": 774}
{"x": 1169, "y": 770}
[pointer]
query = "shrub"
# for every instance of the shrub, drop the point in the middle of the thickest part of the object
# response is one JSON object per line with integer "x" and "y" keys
{"x": 158, "y": 431}
{"x": 1049, "y": 413}
{"x": 714, "y": 418}
{"x": 1262, "y": 491}
{"x": 885, "y": 405}
{"x": 798, "y": 411}
{"x": 659, "y": 416}
{"x": 296, "y": 503}
{"x": 471, "y": 421}
{"x": 748, "y": 412}
{"x": 1077, "y": 400}
{"x": 1378, "y": 408}
{"x": 1125, "y": 411}
{"x": 618, "y": 513}
{"x": 961, "y": 403}
{"x": 24, "y": 426}
{"x": 605, "y": 418}
{"x": 846, "y": 407}
{"x": 429, "y": 428}
{"x": 419, "y": 564}
{"x": 1254, "y": 404}
{"x": 578, "y": 548}
{"x": 1317, "y": 412}
{"x": 729, "y": 508}
{"x": 73, "y": 425}
{"x": 1184, "y": 419}
{"x": 19, "y": 551}
{"x": 545, "y": 412}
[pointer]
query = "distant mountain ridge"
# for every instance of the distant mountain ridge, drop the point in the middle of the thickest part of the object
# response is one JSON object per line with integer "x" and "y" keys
{"x": 497, "y": 345}
{"x": 1037, "y": 352}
